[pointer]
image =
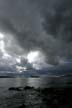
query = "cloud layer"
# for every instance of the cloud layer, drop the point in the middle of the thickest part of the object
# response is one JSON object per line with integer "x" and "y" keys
{"x": 37, "y": 25}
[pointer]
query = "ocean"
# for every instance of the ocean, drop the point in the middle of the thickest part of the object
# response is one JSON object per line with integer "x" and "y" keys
{"x": 13, "y": 99}
{"x": 42, "y": 82}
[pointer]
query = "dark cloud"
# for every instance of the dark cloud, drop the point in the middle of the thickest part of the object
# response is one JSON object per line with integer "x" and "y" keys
{"x": 22, "y": 18}
{"x": 7, "y": 26}
{"x": 39, "y": 24}
{"x": 59, "y": 22}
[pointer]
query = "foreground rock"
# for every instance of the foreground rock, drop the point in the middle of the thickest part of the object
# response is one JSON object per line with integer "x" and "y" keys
{"x": 20, "y": 88}
{"x": 22, "y": 106}
{"x": 16, "y": 88}
{"x": 29, "y": 97}
{"x": 28, "y": 88}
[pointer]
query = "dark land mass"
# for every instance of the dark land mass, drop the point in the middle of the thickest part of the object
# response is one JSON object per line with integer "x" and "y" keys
{"x": 30, "y": 97}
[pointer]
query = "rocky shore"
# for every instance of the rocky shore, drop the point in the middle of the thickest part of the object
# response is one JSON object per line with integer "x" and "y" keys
{"x": 29, "y": 97}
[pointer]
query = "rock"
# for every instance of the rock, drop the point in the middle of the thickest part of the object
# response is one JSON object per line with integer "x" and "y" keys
{"x": 16, "y": 88}
{"x": 28, "y": 88}
{"x": 12, "y": 88}
{"x": 22, "y": 106}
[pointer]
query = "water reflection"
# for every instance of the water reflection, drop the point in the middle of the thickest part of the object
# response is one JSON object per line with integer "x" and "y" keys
{"x": 20, "y": 82}
{"x": 35, "y": 82}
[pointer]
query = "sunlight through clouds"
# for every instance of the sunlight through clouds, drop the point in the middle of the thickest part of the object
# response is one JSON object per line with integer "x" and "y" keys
{"x": 1, "y": 35}
{"x": 37, "y": 59}
{"x": 2, "y": 46}
{"x": 32, "y": 56}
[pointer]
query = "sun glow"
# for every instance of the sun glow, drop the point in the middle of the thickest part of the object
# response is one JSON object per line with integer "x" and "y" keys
{"x": 6, "y": 55}
{"x": 32, "y": 56}
{"x": 18, "y": 60}
{"x": 21, "y": 69}
{"x": 37, "y": 59}
{"x": 2, "y": 46}
{"x": 1, "y": 35}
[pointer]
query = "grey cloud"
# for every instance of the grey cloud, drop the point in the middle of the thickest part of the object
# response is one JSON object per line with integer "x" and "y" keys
{"x": 59, "y": 23}
{"x": 39, "y": 24}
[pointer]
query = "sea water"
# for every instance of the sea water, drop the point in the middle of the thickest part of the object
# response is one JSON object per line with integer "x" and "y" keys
{"x": 43, "y": 82}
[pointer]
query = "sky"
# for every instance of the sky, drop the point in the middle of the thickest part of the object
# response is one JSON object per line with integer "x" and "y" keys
{"x": 35, "y": 33}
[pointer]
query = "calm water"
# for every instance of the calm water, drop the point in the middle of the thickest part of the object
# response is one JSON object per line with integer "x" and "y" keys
{"x": 43, "y": 82}
{"x": 13, "y": 99}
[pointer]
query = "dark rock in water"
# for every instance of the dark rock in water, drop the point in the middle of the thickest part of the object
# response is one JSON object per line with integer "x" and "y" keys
{"x": 21, "y": 88}
{"x": 12, "y": 88}
{"x": 16, "y": 88}
{"x": 28, "y": 88}
{"x": 22, "y": 106}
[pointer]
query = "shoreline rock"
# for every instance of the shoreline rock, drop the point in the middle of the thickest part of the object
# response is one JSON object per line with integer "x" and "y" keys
{"x": 20, "y": 88}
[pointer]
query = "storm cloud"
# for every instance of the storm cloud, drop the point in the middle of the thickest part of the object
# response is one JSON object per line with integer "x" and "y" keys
{"x": 57, "y": 23}
{"x": 44, "y": 25}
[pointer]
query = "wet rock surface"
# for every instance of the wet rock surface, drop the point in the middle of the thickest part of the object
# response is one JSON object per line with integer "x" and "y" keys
{"x": 29, "y": 97}
{"x": 22, "y": 106}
